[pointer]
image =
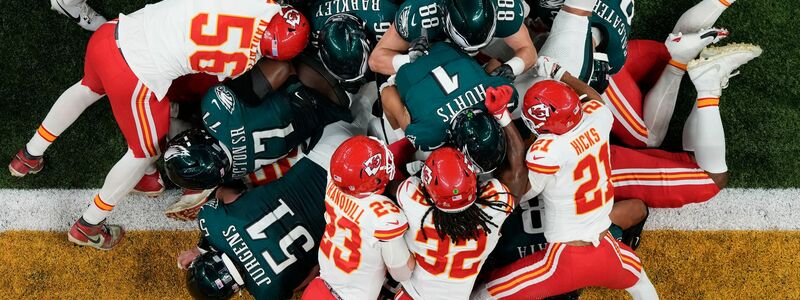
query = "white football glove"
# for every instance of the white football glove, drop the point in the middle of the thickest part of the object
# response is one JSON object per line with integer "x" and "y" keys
{"x": 549, "y": 68}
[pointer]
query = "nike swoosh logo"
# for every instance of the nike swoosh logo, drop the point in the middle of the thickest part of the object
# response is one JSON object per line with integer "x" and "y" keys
{"x": 95, "y": 241}
{"x": 76, "y": 19}
{"x": 394, "y": 223}
{"x": 714, "y": 68}
{"x": 414, "y": 20}
{"x": 536, "y": 157}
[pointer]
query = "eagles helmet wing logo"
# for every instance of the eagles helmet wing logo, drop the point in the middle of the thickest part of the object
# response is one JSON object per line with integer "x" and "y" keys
{"x": 373, "y": 164}
{"x": 539, "y": 112}
{"x": 225, "y": 98}
{"x": 292, "y": 17}
{"x": 175, "y": 151}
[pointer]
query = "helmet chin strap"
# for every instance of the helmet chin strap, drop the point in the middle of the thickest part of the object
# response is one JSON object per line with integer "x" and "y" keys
{"x": 237, "y": 277}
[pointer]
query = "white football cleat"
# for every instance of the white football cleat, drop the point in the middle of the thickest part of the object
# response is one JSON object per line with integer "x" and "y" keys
{"x": 187, "y": 207}
{"x": 716, "y": 65}
{"x": 80, "y": 12}
{"x": 684, "y": 47}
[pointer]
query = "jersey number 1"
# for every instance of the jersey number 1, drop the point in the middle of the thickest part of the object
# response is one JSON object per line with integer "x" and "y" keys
{"x": 448, "y": 83}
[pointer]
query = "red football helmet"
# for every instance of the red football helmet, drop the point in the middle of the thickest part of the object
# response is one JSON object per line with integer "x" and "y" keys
{"x": 449, "y": 179}
{"x": 362, "y": 166}
{"x": 551, "y": 107}
{"x": 286, "y": 35}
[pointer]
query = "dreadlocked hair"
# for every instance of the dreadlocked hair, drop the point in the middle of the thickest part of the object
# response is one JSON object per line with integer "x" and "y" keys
{"x": 464, "y": 225}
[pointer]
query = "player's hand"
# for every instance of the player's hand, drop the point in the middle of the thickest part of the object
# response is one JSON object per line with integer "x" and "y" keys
{"x": 186, "y": 258}
{"x": 549, "y": 68}
{"x": 504, "y": 70}
{"x": 497, "y": 103}
{"x": 419, "y": 48}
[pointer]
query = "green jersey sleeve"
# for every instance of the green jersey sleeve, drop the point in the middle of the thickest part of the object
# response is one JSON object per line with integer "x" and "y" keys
{"x": 510, "y": 15}
{"x": 415, "y": 18}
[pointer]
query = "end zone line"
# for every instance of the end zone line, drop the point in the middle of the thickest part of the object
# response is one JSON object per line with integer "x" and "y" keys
{"x": 732, "y": 209}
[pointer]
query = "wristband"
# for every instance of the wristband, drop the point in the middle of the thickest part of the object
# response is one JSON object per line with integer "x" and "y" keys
{"x": 399, "y": 60}
{"x": 503, "y": 118}
{"x": 517, "y": 65}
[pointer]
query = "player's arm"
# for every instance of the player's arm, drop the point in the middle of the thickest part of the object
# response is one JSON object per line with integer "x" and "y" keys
{"x": 513, "y": 175}
{"x": 542, "y": 165}
{"x": 257, "y": 83}
{"x": 398, "y": 259}
{"x": 524, "y": 52}
{"x": 396, "y": 112}
{"x": 549, "y": 68}
{"x": 387, "y": 57}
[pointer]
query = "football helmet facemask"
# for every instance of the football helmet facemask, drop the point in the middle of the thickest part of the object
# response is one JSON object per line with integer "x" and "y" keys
{"x": 480, "y": 138}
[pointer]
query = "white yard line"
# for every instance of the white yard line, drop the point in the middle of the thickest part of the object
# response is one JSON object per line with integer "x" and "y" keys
{"x": 732, "y": 209}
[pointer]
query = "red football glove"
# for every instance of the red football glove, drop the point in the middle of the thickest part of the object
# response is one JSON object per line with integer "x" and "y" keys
{"x": 497, "y": 103}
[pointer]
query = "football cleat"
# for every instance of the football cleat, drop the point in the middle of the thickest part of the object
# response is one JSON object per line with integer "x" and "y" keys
{"x": 80, "y": 12}
{"x": 187, "y": 207}
{"x": 150, "y": 185}
{"x": 23, "y": 164}
{"x": 685, "y": 47}
{"x": 101, "y": 236}
{"x": 716, "y": 65}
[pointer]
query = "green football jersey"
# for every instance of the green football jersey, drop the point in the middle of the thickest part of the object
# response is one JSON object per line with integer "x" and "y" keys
{"x": 271, "y": 232}
{"x": 378, "y": 15}
{"x": 417, "y": 16}
{"x": 436, "y": 87}
{"x": 612, "y": 17}
{"x": 258, "y": 135}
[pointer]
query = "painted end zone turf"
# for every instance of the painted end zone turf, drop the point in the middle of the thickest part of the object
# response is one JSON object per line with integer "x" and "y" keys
{"x": 681, "y": 264}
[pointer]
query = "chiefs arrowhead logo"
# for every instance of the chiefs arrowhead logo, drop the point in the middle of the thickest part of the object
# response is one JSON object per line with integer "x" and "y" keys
{"x": 426, "y": 175}
{"x": 373, "y": 164}
{"x": 539, "y": 112}
{"x": 292, "y": 17}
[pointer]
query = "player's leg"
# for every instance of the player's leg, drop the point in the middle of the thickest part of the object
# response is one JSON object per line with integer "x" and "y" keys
{"x": 332, "y": 136}
{"x": 318, "y": 290}
{"x": 569, "y": 41}
{"x": 659, "y": 178}
{"x": 67, "y": 107}
{"x": 659, "y": 103}
{"x": 702, "y": 15}
{"x": 80, "y": 12}
{"x": 90, "y": 229}
{"x": 710, "y": 75}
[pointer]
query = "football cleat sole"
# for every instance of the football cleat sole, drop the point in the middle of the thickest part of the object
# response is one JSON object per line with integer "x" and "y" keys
{"x": 151, "y": 194}
{"x": 712, "y": 51}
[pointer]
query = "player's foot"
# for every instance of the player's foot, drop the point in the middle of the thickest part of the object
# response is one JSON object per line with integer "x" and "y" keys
{"x": 23, "y": 164}
{"x": 684, "y": 47}
{"x": 716, "y": 65}
{"x": 101, "y": 236}
{"x": 150, "y": 185}
{"x": 187, "y": 207}
{"x": 80, "y": 12}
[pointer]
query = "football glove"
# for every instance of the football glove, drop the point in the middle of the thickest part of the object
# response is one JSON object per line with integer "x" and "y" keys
{"x": 497, "y": 103}
{"x": 548, "y": 67}
{"x": 504, "y": 70}
{"x": 419, "y": 48}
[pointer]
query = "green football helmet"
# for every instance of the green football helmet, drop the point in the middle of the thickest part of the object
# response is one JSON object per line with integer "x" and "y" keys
{"x": 344, "y": 49}
{"x": 480, "y": 138}
{"x": 470, "y": 24}
{"x": 195, "y": 160}
{"x": 210, "y": 277}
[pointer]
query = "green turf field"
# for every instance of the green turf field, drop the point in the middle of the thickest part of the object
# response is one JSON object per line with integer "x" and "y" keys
{"x": 42, "y": 54}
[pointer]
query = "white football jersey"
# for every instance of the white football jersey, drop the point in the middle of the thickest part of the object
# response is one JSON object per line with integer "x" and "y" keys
{"x": 171, "y": 38}
{"x": 446, "y": 269}
{"x": 350, "y": 258}
{"x": 572, "y": 171}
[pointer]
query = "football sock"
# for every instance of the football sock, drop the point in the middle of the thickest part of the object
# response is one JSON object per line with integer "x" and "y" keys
{"x": 689, "y": 130}
{"x": 659, "y": 104}
{"x": 125, "y": 174}
{"x": 643, "y": 289}
{"x": 64, "y": 112}
{"x": 702, "y": 15}
{"x": 709, "y": 136}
